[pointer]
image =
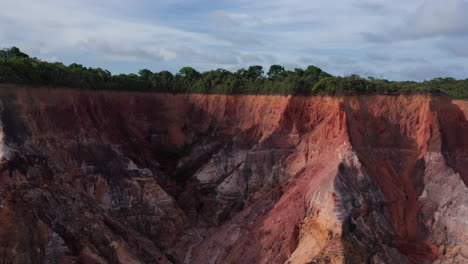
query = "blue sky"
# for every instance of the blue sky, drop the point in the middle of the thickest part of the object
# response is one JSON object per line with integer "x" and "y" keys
{"x": 397, "y": 40}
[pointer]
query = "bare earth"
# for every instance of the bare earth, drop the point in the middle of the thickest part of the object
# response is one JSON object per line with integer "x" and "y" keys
{"x": 107, "y": 177}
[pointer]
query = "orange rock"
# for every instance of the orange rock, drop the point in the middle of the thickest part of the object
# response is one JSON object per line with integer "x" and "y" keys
{"x": 159, "y": 178}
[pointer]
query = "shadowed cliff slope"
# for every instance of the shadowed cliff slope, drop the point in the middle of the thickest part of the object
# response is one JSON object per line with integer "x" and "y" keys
{"x": 105, "y": 177}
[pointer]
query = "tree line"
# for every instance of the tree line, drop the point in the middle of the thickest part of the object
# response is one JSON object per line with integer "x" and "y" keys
{"x": 18, "y": 68}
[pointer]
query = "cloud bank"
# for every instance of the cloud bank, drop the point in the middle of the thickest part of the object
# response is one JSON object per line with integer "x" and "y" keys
{"x": 399, "y": 40}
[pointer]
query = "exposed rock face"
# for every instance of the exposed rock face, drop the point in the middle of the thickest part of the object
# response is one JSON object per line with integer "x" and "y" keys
{"x": 104, "y": 177}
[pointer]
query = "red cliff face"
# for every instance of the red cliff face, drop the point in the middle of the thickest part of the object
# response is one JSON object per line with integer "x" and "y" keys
{"x": 106, "y": 177}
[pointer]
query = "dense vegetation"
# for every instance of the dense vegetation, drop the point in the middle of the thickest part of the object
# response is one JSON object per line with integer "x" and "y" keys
{"x": 18, "y": 68}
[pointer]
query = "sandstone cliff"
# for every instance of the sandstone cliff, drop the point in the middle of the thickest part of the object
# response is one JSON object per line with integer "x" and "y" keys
{"x": 107, "y": 177}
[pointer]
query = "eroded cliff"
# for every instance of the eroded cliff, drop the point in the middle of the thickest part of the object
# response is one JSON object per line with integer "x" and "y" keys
{"x": 105, "y": 177}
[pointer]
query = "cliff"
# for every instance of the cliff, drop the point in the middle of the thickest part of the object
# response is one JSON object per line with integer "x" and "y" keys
{"x": 107, "y": 177}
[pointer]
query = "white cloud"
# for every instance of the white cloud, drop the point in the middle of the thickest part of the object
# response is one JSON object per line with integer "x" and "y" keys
{"x": 235, "y": 28}
{"x": 423, "y": 71}
{"x": 435, "y": 17}
{"x": 224, "y": 20}
{"x": 458, "y": 47}
{"x": 378, "y": 57}
{"x": 374, "y": 7}
{"x": 63, "y": 26}
{"x": 432, "y": 18}
{"x": 208, "y": 35}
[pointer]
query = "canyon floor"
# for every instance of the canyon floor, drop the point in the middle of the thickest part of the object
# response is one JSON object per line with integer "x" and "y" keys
{"x": 119, "y": 177}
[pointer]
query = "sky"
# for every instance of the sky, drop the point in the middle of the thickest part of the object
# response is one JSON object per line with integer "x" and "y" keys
{"x": 395, "y": 40}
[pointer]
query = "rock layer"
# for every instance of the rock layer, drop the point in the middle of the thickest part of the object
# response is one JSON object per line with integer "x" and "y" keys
{"x": 107, "y": 177}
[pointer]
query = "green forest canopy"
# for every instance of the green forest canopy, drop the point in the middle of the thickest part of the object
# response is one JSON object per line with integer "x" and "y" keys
{"x": 17, "y": 67}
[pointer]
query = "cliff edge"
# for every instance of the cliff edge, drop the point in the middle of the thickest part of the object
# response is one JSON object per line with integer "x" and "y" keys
{"x": 108, "y": 177}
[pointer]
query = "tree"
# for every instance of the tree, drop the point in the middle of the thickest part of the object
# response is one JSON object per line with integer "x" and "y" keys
{"x": 17, "y": 67}
{"x": 275, "y": 70}
{"x": 254, "y": 72}
{"x": 145, "y": 74}
{"x": 189, "y": 73}
{"x": 12, "y": 53}
{"x": 76, "y": 67}
{"x": 314, "y": 72}
{"x": 241, "y": 73}
{"x": 162, "y": 81}
{"x": 299, "y": 71}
